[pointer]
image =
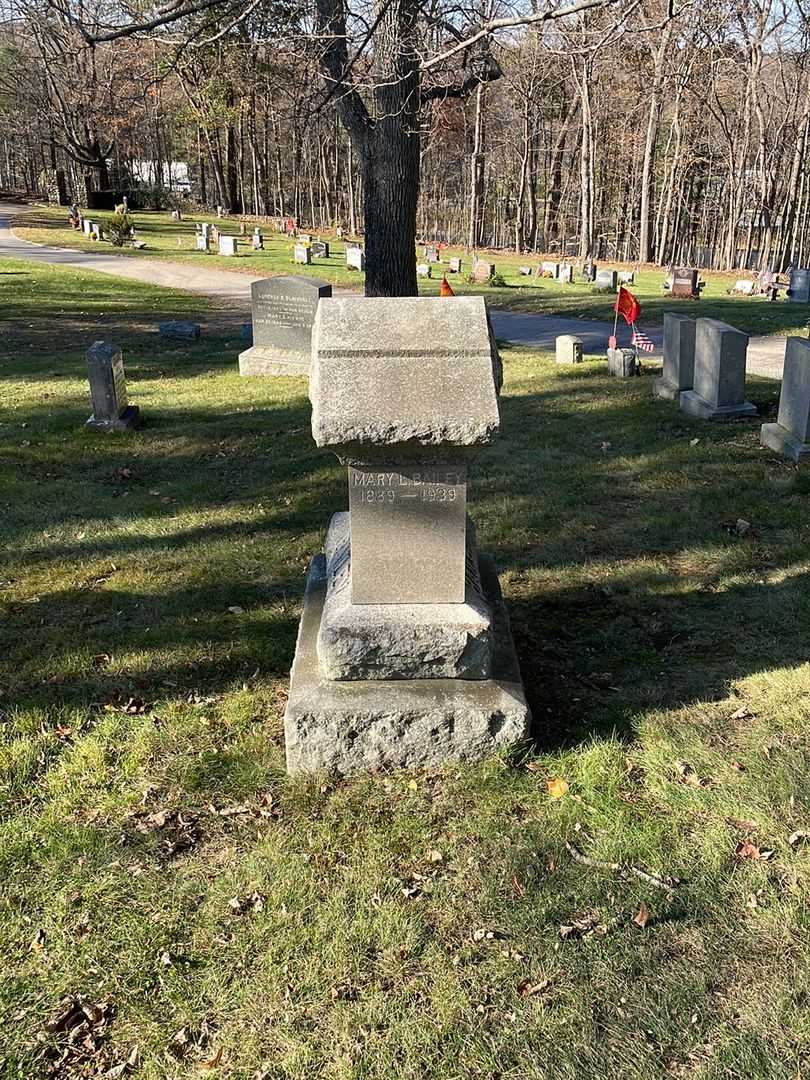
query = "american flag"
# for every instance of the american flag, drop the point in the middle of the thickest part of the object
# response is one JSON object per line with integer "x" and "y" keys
{"x": 641, "y": 341}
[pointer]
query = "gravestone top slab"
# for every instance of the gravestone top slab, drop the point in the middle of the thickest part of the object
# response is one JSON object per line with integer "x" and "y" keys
{"x": 421, "y": 371}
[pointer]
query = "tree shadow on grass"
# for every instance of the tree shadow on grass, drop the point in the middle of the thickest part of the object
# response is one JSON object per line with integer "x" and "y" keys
{"x": 630, "y": 625}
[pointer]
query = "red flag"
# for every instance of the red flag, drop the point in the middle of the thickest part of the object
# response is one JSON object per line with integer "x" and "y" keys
{"x": 444, "y": 288}
{"x": 627, "y": 305}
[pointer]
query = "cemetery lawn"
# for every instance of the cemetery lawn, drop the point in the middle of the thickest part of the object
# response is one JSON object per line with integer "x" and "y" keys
{"x": 174, "y": 241}
{"x": 219, "y": 918}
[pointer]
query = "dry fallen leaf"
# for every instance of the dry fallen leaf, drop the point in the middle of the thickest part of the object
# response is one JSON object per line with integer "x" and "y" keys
{"x": 434, "y": 856}
{"x": 642, "y": 916}
{"x": 213, "y": 1062}
{"x": 747, "y": 850}
{"x": 526, "y": 988}
{"x": 556, "y": 787}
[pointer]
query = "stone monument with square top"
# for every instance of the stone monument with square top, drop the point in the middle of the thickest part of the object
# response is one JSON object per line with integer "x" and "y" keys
{"x": 404, "y": 653}
{"x": 283, "y": 313}
{"x": 108, "y": 390}
{"x": 790, "y": 435}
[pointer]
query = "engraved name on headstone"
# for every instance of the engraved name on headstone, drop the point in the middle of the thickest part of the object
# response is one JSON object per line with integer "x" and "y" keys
{"x": 283, "y": 313}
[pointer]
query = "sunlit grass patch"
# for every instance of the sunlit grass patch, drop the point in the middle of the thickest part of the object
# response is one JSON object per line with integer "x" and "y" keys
{"x": 474, "y": 921}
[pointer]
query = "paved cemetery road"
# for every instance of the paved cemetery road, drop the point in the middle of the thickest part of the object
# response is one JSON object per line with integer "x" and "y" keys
{"x": 765, "y": 354}
{"x": 220, "y": 283}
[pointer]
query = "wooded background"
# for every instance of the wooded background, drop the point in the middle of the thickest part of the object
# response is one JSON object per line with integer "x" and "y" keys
{"x": 665, "y": 140}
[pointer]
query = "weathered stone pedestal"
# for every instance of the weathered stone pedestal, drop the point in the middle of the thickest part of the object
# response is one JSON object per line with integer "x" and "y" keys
{"x": 790, "y": 436}
{"x": 719, "y": 378}
{"x": 404, "y": 654}
{"x": 679, "y": 357}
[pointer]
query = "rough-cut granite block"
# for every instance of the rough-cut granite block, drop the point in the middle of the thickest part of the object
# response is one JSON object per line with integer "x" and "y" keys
{"x": 346, "y": 727}
{"x": 402, "y": 370}
{"x": 401, "y": 641}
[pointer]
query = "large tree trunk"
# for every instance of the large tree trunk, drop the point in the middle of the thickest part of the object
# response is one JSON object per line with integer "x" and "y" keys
{"x": 387, "y": 140}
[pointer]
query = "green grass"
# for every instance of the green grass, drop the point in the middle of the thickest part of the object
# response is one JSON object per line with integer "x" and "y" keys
{"x": 167, "y": 239}
{"x": 665, "y": 655}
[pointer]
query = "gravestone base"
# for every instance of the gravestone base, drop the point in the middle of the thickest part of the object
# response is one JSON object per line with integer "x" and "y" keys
{"x": 400, "y": 641}
{"x": 663, "y": 388}
{"x": 263, "y": 360}
{"x": 129, "y": 419}
{"x": 694, "y": 405}
{"x": 352, "y": 726}
{"x": 784, "y": 442}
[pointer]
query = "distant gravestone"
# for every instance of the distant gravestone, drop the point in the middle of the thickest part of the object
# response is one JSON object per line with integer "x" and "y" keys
{"x": 355, "y": 258}
{"x": 790, "y": 435}
{"x": 178, "y": 330}
{"x": 98, "y": 232}
{"x": 319, "y": 249}
{"x": 304, "y": 238}
{"x": 431, "y": 253}
{"x": 202, "y": 241}
{"x": 257, "y": 240}
{"x": 242, "y": 228}
{"x": 589, "y": 270}
{"x": 568, "y": 349}
{"x": 799, "y": 289}
{"x": 549, "y": 269}
{"x": 483, "y": 272}
{"x": 108, "y": 390}
{"x": 566, "y": 274}
{"x": 455, "y": 265}
{"x": 404, "y": 654}
{"x": 606, "y": 279}
{"x": 684, "y": 284}
{"x": 423, "y": 270}
{"x": 228, "y": 245}
{"x": 176, "y": 216}
{"x": 744, "y": 287}
{"x": 679, "y": 357}
{"x": 339, "y": 232}
{"x": 718, "y": 391}
{"x": 283, "y": 313}
{"x": 87, "y": 226}
{"x": 302, "y": 255}
{"x": 525, "y": 271}
{"x": 627, "y": 277}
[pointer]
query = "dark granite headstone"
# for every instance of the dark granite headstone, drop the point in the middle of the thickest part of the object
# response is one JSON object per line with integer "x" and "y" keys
{"x": 283, "y": 313}
{"x": 108, "y": 389}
